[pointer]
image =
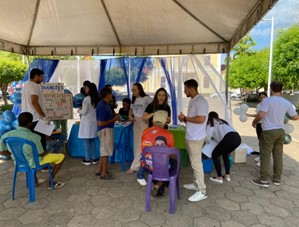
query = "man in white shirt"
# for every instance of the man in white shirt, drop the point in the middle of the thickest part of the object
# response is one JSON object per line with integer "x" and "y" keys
{"x": 31, "y": 99}
{"x": 272, "y": 112}
{"x": 196, "y": 121}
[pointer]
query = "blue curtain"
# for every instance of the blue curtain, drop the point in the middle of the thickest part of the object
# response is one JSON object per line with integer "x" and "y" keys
{"x": 102, "y": 80}
{"x": 123, "y": 66}
{"x": 172, "y": 91}
{"x": 48, "y": 66}
{"x": 140, "y": 70}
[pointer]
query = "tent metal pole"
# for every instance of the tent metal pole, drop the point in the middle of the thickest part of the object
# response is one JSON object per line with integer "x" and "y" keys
{"x": 28, "y": 60}
{"x": 226, "y": 76}
{"x": 129, "y": 79}
{"x": 228, "y": 104}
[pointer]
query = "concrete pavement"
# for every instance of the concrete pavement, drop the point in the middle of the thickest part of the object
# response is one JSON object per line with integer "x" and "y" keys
{"x": 87, "y": 201}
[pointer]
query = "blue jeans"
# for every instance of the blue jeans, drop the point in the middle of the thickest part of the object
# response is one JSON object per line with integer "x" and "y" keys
{"x": 141, "y": 173}
{"x": 89, "y": 147}
{"x": 59, "y": 138}
{"x": 172, "y": 167}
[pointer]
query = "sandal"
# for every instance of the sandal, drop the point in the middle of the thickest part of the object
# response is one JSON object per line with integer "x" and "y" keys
{"x": 57, "y": 185}
{"x": 99, "y": 174}
{"x": 40, "y": 181}
{"x": 107, "y": 177}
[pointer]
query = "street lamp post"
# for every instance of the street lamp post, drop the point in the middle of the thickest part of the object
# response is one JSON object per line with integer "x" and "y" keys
{"x": 271, "y": 55}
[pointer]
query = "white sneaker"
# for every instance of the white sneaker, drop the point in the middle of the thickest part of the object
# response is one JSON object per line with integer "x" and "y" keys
{"x": 197, "y": 196}
{"x": 216, "y": 180}
{"x": 190, "y": 187}
{"x": 227, "y": 178}
{"x": 142, "y": 182}
{"x": 257, "y": 159}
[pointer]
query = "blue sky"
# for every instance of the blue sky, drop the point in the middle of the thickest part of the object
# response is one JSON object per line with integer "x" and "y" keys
{"x": 285, "y": 12}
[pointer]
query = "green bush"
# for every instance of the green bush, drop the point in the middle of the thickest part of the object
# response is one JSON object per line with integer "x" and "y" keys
{"x": 5, "y": 107}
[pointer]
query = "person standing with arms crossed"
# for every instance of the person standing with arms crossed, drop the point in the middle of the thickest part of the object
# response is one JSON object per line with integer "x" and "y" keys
{"x": 271, "y": 140}
{"x": 196, "y": 121}
{"x": 31, "y": 100}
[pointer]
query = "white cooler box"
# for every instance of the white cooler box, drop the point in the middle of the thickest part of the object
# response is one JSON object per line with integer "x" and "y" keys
{"x": 239, "y": 155}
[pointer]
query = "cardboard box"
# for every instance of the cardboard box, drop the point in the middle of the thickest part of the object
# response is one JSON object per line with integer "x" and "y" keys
{"x": 239, "y": 155}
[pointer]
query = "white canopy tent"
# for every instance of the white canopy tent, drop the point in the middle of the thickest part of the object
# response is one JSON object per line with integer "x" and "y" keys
{"x": 132, "y": 27}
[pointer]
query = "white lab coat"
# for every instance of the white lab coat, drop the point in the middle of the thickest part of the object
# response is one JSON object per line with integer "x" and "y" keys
{"x": 88, "y": 122}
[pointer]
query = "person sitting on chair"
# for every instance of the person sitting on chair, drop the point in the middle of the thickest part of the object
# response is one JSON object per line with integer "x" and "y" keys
{"x": 24, "y": 132}
{"x": 156, "y": 136}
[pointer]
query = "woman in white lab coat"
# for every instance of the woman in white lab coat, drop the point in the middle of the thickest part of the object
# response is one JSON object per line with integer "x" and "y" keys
{"x": 88, "y": 123}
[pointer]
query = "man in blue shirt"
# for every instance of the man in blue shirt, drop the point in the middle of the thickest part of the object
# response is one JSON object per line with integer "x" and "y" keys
{"x": 105, "y": 119}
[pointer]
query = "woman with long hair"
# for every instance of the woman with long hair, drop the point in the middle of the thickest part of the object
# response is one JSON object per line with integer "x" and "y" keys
{"x": 227, "y": 140}
{"x": 140, "y": 101}
{"x": 88, "y": 123}
{"x": 160, "y": 102}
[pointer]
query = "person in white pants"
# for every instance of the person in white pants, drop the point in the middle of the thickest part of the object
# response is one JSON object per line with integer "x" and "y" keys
{"x": 196, "y": 121}
{"x": 140, "y": 101}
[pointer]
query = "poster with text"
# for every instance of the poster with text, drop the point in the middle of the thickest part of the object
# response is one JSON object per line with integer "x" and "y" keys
{"x": 57, "y": 106}
{"x": 46, "y": 88}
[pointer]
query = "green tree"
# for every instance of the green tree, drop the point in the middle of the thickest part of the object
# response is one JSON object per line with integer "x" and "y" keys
{"x": 116, "y": 76}
{"x": 32, "y": 58}
{"x": 250, "y": 71}
{"x": 10, "y": 56}
{"x": 10, "y": 71}
{"x": 244, "y": 47}
{"x": 286, "y": 57}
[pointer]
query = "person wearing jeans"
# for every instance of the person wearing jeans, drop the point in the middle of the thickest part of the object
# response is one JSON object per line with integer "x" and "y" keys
{"x": 88, "y": 123}
{"x": 90, "y": 145}
{"x": 55, "y": 142}
{"x": 156, "y": 136}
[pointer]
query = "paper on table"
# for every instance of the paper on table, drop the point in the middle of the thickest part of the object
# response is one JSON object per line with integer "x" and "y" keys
{"x": 44, "y": 128}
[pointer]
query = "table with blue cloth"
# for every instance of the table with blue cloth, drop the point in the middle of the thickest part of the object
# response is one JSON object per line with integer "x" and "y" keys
{"x": 178, "y": 133}
{"x": 123, "y": 144}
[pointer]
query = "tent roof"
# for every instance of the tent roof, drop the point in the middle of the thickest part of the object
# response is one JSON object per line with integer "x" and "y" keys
{"x": 133, "y": 27}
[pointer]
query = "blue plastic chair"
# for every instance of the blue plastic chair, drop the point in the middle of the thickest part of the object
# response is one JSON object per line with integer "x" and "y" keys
{"x": 124, "y": 145}
{"x": 21, "y": 164}
{"x": 160, "y": 161}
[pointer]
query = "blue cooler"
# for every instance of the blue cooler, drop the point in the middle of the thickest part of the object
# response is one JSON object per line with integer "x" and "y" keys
{"x": 207, "y": 165}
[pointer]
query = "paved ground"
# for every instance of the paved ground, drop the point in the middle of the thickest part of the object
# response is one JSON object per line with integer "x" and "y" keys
{"x": 87, "y": 201}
